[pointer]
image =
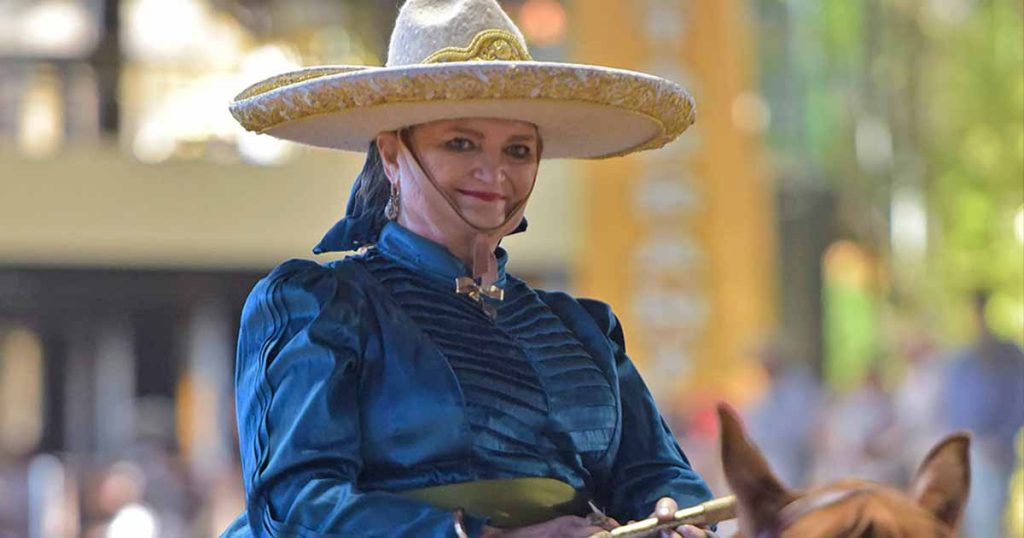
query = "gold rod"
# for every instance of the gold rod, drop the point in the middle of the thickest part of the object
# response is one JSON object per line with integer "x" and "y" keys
{"x": 707, "y": 513}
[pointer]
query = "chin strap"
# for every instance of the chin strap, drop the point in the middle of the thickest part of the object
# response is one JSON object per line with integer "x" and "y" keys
{"x": 484, "y": 265}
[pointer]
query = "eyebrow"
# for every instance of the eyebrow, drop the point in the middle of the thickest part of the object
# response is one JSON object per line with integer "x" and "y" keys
{"x": 523, "y": 138}
{"x": 514, "y": 138}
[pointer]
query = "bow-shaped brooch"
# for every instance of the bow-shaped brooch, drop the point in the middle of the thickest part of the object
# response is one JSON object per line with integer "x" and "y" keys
{"x": 482, "y": 295}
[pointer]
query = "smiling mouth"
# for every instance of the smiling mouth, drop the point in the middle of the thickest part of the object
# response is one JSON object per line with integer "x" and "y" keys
{"x": 480, "y": 195}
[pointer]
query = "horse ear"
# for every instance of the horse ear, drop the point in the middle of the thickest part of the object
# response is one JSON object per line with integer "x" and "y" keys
{"x": 759, "y": 493}
{"x": 944, "y": 478}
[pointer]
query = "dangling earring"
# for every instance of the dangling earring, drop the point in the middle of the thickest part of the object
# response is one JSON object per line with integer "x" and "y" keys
{"x": 391, "y": 209}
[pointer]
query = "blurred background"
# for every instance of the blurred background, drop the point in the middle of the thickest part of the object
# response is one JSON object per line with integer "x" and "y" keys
{"x": 836, "y": 247}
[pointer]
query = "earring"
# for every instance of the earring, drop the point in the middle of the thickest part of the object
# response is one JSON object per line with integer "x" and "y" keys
{"x": 391, "y": 209}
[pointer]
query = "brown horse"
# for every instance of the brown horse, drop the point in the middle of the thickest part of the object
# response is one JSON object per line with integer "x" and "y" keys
{"x": 848, "y": 508}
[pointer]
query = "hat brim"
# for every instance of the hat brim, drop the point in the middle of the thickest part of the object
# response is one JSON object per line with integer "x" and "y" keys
{"x": 581, "y": 111}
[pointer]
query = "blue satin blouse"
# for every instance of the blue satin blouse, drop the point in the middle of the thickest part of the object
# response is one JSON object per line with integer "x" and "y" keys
{"x": 369, "y": 376}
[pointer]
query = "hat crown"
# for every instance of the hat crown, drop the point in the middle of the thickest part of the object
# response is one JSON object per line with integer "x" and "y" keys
{"x": 432, "y": 31}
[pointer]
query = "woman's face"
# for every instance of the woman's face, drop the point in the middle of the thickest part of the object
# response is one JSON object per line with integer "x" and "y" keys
{"x": 485, "y": 166}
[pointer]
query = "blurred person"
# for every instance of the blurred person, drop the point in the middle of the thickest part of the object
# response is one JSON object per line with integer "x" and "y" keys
{"x": 171, "y": 492}
{"x": 784, "y": 420}
{"x": 168, "y": 491}
{"x": 38, "y": 495}
{"x": 859, "y": 434}
{"x": 918, "y": 399}
{"x": 53, "y": 497}
{"x": 984, "y": 393}
{"x": 113, "y": 489}
{"x": 14, "y": 500}
{"x": 377, "y": 394}
{"x": 225, "y": 501}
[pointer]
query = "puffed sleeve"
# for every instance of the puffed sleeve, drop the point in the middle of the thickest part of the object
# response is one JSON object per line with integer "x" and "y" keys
{"x": 297, "y": 396}
{"x": 648, "y": 463}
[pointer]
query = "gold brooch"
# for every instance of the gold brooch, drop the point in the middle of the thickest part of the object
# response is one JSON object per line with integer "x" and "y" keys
{"x": 482, "y": 295}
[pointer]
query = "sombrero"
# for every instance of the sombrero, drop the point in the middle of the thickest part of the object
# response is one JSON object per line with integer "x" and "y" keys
{"x": 451, "y": 59}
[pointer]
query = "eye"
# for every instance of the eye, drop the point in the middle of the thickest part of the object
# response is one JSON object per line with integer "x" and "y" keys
{"x": 519, "y": 151}
{"x": 460, "y": 144}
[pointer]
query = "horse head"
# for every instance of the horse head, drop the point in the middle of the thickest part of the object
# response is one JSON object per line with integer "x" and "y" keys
{"x": 847, "y": 508}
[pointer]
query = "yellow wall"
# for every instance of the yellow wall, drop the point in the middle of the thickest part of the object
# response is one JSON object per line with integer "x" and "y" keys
{"x": 738, "y": 231}
{"x": 732, "y": 222}
{"x": 609, "y": 226}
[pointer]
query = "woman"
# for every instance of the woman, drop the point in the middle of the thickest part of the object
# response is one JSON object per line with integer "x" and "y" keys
{"x": 381, "y": 394}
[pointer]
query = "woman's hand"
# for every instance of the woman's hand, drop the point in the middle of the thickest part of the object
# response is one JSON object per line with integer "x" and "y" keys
{"x": 562, "y": 527}
{"x": 664, "y": 511}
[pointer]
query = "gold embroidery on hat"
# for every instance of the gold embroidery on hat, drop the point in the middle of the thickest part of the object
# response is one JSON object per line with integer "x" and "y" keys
{"x": 487, "y": 46}
{"x": 292, "y": 77}
{"x": 664, "y": 103}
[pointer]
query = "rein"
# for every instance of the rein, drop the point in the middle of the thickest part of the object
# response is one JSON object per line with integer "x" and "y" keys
{"x": 803, "y": 506}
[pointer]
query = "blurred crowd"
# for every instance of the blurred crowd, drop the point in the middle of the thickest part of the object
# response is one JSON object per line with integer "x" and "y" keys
{"x": 883, "y": 428}
{"x": 148, "y": 492}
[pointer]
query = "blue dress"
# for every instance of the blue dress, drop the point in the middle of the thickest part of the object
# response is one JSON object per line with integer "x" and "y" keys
{"x": 369, "y": 376}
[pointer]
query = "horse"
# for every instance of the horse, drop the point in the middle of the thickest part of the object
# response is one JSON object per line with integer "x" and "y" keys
{"x": 848, "y": 508}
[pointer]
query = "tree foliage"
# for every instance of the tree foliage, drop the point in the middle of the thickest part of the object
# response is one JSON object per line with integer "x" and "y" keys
{"x": 877, "y": 97}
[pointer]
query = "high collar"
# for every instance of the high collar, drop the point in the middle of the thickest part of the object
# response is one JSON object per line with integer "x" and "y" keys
{"x": 422, "y": 254}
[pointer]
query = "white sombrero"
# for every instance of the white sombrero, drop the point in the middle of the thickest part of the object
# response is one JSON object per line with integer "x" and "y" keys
{"x": 461, "y": 59}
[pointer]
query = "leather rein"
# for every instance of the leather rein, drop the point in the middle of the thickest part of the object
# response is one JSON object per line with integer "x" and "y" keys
{"x": 800, "y": 508}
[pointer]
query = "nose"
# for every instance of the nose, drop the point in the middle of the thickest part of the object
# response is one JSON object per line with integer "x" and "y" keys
{"x": 490, "y": 169}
